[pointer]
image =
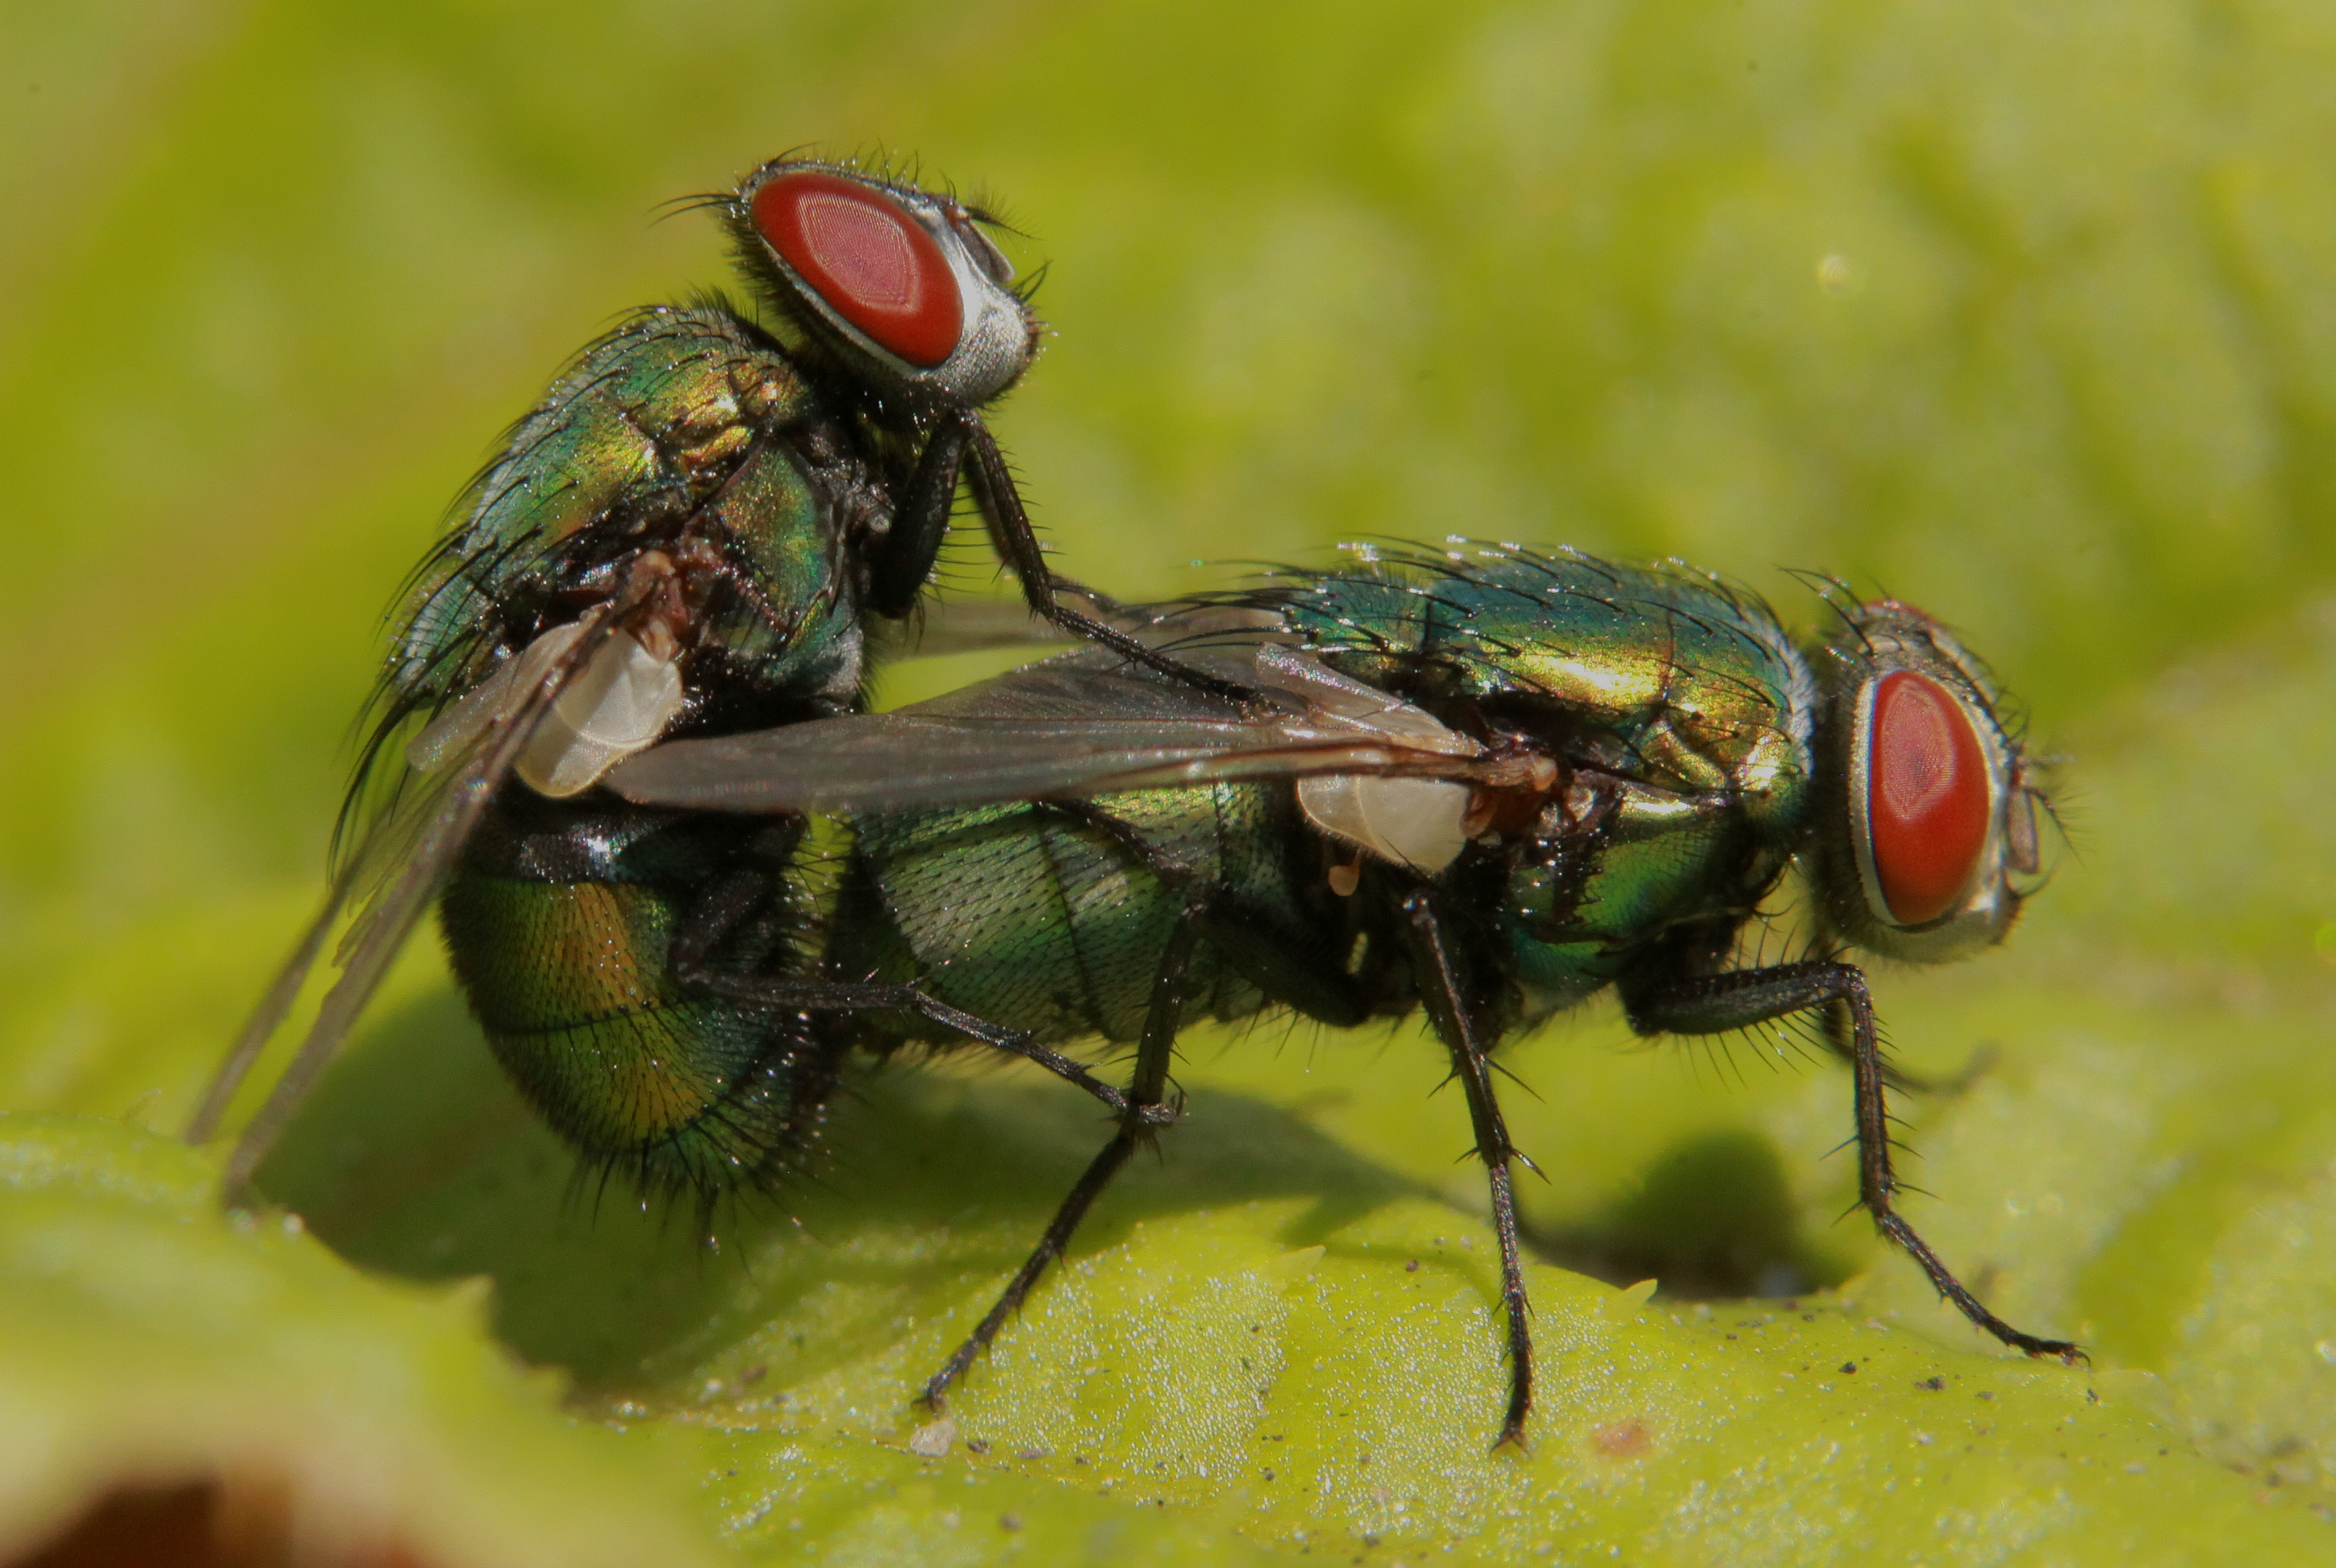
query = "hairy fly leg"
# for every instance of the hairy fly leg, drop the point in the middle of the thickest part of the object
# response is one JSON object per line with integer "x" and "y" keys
{"x": 1718, "y": 1004}
{"x": 1241, "y": 937}
{"x": 1016, "y": 544}
{"x": 898, "y": 570}
{"x": 1146, "y": 1108}
{"x": 897, "y": 574}
{"x": 1838, "y": 1034}
{"x": 749, "y": 889}
{"x": 1709, "y": 947}
{"x": 1443, "y": 989}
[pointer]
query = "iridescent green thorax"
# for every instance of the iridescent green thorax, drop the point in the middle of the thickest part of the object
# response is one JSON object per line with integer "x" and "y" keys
{"x": 1675, "y": 679}
{"x": 1683, "y": 693}
{"x": 684, "y": 430}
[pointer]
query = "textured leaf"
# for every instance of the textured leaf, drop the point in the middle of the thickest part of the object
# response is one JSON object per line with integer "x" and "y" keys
{"x": 2019, "y": 311}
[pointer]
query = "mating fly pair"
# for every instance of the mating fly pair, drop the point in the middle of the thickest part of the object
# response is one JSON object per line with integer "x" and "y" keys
{"x": 1482, "y": 786}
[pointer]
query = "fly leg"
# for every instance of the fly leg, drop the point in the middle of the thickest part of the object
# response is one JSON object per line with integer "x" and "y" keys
{"x": 747, "y": 891}
{"x": 812, "y": 996}
{"x": 1146, "y": 1109}
{"x": 1442, "y": 988}
{"x": 1718, "y": 1004}
{"x": 1244, "y": 940}
{"x": 897, "y": 572}
{"x": 960, "y": 443}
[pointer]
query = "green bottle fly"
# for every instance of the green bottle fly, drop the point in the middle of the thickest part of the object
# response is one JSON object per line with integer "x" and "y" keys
{"x": 1485, "y": 785}
{"x": 693, "y": 533}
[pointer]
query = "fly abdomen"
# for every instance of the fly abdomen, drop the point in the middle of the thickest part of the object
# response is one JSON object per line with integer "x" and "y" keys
{"x": 561, "y": 925}
{"x": 1052, "y": 918}
{"x": 1017, "y": 914}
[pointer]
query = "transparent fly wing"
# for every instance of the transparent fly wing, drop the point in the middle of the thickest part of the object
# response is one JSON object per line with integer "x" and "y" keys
{"x": 393, "y": 809}
{"x": 1083, "y": 724}
{"x": 398, "y": 864}
{"x": 267, "y": 1017}
{"x": 387, "y": 840}
{"x": 885, "y": 762}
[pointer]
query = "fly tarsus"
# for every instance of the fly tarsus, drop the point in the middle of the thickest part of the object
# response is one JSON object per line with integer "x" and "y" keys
{"x": 1443, "y": 988}
{"x": 1953, "y": 1289}
{"x": 1091, "y": 1185}
{"x": 1718, "y": 1004}
{"x": 898, "y": 570}
{"x": 1146, "y": 1096}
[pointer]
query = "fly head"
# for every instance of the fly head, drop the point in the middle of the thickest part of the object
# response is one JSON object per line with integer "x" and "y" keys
{"x": 899, "y": 284}
{"x": 1927, "y": 821}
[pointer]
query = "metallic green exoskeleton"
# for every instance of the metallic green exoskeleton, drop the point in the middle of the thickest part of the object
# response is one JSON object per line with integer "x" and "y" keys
{"x": 759, "y": 484}
{"x": 1485, "y": 785}
{"x": 563, "y": 927}
{"x": 693, "y": 533}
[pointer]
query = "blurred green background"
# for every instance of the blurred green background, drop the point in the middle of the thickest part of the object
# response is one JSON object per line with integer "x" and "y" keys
{"x": 2020, "y": 312}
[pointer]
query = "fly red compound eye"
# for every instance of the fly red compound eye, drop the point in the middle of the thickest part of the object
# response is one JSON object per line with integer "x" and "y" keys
{"x": 872, "y": 263}
{"x": 1927, "y": 797}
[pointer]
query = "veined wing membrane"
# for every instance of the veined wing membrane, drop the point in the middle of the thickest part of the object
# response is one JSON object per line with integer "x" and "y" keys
{"x": 1080, "y": 724}
{"x": 425, "y": 846}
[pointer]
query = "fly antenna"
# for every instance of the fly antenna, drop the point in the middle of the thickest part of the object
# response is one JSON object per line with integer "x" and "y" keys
{"x": 695, "y": 201}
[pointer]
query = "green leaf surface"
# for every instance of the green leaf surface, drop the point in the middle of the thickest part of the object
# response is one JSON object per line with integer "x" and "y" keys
{"x": 2018, "y": 311}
